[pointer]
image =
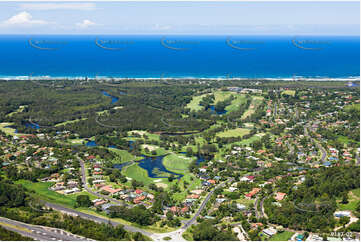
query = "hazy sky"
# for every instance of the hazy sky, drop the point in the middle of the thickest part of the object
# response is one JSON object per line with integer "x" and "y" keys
{"x": 277, "y": 18}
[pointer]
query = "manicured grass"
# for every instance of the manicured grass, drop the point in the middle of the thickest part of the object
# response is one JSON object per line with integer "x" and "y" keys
{"x": 284, "y": 236}
{"x": 245, "y": 141}
{"x": 240, "y": 99}
{"x": 356, "y": 192}
{"x": 19, "y": 110}
{"x": 353, "y": 201}
{"x": 8, "y": 131}
{"x": 256, "y": 101}
{"x": 234, "y": 133}
{"x": 136, "y": 172}
{"x": 194, "y": 104}
{"x": 42, "y": 191}
{"x": 176, "y": 162}
{"x": 124, "y": 155}
{"x": 289, "y": 93}
{"x": 69, "y": 122}
{"x": 150, "y": 136}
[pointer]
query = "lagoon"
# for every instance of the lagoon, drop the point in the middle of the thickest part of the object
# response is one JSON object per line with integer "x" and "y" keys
{"x": 114, "y": 99}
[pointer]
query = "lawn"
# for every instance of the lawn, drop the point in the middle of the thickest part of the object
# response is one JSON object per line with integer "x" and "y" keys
{"x": 356, "y": 192}
{"x": 233, "y": 133}
{"x": 69, "y": 122}
{"x": 124, "y": 155}
{"x": 8, "y": 131}
{"x": 256, "y": 101}
{"x": 194, "y": 104}
{"x": 289, "y": 93}
{"x": 136, "y": 172}
{"x": 42, "y": 191}
{"x": 19, "y": 110}
{"x": 283, "y": 236}
{"x": 176, "y": 162}
{"x": 353, "y": 201}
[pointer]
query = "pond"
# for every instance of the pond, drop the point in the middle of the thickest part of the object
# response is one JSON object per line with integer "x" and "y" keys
{"x": 114, "y": 99}
{"x": 199, "y": 158}
{"x": 91, "y": 143}
{"x": 120, "y": 166}
{"x": 130, "y": 143}
{"x": 155, "y": 167}
{"x": 213, "y": 110}
{"x": 32, "y": 125}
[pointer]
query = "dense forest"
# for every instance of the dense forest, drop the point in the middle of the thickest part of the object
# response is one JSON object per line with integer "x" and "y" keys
{"x": 311, "y": 205}
{"x": 7, "y": 235}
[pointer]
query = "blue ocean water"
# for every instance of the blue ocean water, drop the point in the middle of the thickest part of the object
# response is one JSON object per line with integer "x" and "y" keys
{"x": 179, "y": 56}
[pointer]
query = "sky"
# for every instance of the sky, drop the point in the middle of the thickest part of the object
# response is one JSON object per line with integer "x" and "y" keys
{"x": 208, "y": 18}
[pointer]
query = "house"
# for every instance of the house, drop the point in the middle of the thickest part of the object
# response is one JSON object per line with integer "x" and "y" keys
{"x": 232, "y": 189}
{"x": 280, "y": 196}
{"x": 138, "y": 191}
{"x": 221, "y": 200}
{"x": 252, "y": 193}
{"x": 240, "y": 206}
{"x": 105, "y": 207}
{"x": 193, "y": 196}
{"x": 340, "y": 214}
{"x": 138, "y": 199}
{"x": 270, "y": 231}
{"x": 99, "y": 203}
{"x": 198, "y": 192}
{"x": 109, "y": 189}
{"x": 256, "y": 225}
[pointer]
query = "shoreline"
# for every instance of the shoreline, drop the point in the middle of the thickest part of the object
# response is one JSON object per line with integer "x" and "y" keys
{"x": 220, "y": 78}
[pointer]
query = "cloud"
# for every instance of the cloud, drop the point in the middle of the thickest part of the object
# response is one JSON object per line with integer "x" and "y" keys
{"x": 23, "y": 19}
{"x": 85, "y": 24}
{"x": 58, "y": 6}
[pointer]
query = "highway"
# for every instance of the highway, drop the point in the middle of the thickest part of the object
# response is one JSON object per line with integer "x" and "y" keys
{"x": 94, "y": 218}
{"x": 37, "y": 232}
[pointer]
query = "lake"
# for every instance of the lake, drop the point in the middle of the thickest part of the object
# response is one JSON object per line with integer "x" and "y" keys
{"x": 114, "y": 99}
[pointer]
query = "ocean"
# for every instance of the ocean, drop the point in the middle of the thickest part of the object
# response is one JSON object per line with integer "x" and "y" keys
{"x": 177, "y": 56}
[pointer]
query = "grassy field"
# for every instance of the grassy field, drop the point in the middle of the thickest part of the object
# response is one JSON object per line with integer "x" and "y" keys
{"x": 353, "y": 201}
{"x": 8, "y": 131}
{"x": 19, "y": 110}
{"x": 137, "y": 173}
{"x": 141, "y": 132}
{"x": 284, "y": 236}
{"x": 176, "y": 162}
{"x": 194, "y": 104}
{"x": 289, "y": 93}
{"x": 234, "y": 133}
{"x": 124, "y": 155}
{"x": 42, "y": 191}
{"x": 69, "y": 122}
{"x": 256, "y": 101}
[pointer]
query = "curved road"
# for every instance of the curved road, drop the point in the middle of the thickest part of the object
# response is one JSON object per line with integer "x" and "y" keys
{"x": 192, "y": 220}
{"x": 323, "y": 151}
{"x": 86, "y": 187}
